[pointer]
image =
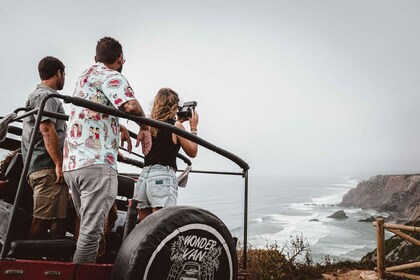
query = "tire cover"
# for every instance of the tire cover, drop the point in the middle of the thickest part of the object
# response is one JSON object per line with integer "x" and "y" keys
{"x": 178, "y": 243}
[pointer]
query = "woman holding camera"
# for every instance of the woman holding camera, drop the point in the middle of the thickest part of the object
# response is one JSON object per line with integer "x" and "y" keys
{"x": 157, "y": 186}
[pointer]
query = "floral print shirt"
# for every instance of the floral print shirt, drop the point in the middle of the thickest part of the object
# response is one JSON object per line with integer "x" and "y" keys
{"x": 93, "y": 137}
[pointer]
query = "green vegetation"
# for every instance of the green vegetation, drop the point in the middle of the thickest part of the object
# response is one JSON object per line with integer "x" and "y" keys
{"x": 293, "y": 261}
{"x": 281, "y": 262}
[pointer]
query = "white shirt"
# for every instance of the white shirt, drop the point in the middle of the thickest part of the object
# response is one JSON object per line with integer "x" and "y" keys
{"x": 92, "y": 137}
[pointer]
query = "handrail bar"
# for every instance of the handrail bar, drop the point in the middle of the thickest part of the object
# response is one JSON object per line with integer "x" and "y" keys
{"x": 396, "y": 226}
{"x": 131, "y": 161}
{"x": 14, "y": 130}
{"x": 205, "y": 172}
{"x": 217, "y": 172}
{"x": 380, "y": 240}
{"x": 21, "y": 109}
{"x": 403, "y": 267}
{"x": 158, "y": 124}
{"x": 33, "y": 111}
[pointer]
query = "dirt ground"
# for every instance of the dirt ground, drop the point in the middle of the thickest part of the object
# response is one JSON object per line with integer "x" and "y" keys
{"x": 352, "y": 275}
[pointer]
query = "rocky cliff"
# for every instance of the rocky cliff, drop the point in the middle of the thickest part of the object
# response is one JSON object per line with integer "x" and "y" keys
{"x": 398, "y": 195}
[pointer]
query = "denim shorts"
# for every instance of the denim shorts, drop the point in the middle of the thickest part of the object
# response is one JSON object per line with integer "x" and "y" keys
{"x": 156, "y": 187}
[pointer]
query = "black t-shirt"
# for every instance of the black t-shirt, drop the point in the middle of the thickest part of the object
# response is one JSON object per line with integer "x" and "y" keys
{"x": 163, "y": 151}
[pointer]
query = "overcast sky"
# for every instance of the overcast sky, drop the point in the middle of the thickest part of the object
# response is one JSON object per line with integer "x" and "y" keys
{"x": 292, "y": 87}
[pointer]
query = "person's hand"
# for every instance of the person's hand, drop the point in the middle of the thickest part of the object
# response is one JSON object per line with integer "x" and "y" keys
{"x": 59, "y": 174}
{"x": 181, "y": 120}
{"x": 125, "y": 137}
{"x": 146, "y": 140}
{"x": 194, "y": 120}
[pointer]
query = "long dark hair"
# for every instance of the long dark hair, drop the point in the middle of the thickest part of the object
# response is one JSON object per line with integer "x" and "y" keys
{"x": 164, "y": 105}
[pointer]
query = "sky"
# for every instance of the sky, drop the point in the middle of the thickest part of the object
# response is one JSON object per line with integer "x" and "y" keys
{"x": 297, "y": 87}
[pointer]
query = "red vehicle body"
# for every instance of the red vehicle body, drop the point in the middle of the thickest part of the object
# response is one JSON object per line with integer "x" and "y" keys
{"x": 31, "y": 269}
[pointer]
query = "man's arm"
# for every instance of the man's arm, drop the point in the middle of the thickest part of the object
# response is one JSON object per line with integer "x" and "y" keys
{"x": 133, "y": 107}
{"x": 52, "y": 144}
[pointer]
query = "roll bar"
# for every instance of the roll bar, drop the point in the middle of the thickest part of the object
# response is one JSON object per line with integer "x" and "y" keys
{"x": 118, "y": 113}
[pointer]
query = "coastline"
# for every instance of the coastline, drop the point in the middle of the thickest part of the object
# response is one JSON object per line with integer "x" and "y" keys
{"x": 284, "y": 207}
{"x": 337, "y": 238}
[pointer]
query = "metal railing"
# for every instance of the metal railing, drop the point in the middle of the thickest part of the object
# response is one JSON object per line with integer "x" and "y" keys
{"x": 39, "y": 112}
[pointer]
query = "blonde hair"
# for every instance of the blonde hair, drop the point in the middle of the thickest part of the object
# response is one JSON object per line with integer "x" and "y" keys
{"x": 164, "y": 105}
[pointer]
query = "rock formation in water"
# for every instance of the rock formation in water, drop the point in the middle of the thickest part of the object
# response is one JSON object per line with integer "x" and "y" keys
{"x": 398, "y": 195}
{"x": 339, "y": 215}
{"x": 369, "y": 219}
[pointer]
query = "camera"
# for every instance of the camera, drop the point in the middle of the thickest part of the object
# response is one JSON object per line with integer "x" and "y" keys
{"x": 184, "y": 112}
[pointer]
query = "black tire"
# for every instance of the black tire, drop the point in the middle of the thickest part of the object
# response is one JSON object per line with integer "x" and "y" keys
{"x": 177, "y": 243}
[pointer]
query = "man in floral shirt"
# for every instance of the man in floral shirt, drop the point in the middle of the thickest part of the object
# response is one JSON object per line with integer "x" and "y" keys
{"x": 91, "y": 144}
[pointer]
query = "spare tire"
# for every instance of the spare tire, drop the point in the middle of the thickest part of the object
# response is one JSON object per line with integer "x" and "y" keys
{"x": 178, "y": 243}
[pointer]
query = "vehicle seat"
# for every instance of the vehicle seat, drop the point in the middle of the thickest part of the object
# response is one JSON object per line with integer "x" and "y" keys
{"x": 30, "y": 249}
{"x": 12, "y": 175}
{"x": 22, "y": 222}
{"x": 38, "y": 249}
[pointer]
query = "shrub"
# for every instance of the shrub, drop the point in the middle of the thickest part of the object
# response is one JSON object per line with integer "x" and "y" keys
{"x": 280, "y": 262}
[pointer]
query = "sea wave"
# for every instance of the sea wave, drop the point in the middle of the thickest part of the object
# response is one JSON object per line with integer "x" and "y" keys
{"x": 301, "y": 206}
{"x": 334, "y": 198}
{"x": 288, "y": 219}
{"x": 294, "y": 226}
{"x": 342, "y": 250}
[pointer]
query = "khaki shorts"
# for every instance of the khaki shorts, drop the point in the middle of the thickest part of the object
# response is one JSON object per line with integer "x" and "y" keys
{"x": 50, "y": 199}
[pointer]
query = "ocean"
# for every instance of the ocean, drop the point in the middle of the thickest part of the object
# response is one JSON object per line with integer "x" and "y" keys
{"x": 281, "y": 207}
